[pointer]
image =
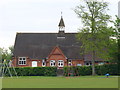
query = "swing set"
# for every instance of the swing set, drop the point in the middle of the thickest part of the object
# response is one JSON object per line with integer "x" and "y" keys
{"x": 6, "y": 67}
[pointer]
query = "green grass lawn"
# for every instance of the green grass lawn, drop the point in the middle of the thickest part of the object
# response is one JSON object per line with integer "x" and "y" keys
{"x": 60, "y": 82}
{"x": 0, "y": 83}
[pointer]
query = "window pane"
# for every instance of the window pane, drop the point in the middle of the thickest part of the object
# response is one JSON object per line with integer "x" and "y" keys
{"x": 23, "y": 58}
{"x": 24, "y": 62}
{"x": 43, "y": 63}
{"x": 87, "y": 63}
{"x": 19, "y": 62}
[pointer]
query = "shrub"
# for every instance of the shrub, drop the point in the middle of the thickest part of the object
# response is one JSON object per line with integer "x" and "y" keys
{"x": 78, "y": 70}
{"x": 112, "y": 69}
{"x": 33, "y": 71}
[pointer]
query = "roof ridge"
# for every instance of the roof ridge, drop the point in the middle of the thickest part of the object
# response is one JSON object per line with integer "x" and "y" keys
{"x": 44, "y": 33}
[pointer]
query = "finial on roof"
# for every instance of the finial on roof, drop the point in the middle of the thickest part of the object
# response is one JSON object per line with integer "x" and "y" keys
{"x": 61, "y": 14}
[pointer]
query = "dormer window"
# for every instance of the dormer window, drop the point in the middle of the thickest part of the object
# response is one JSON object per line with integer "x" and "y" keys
{"x": 60, "y": 37}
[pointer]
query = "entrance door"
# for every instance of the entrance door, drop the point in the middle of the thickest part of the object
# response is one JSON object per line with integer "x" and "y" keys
{"x": 34, "y": 63}
{"x": 60, "y": 63}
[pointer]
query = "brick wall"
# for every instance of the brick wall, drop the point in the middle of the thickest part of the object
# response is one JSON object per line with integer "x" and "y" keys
{"x": 56, "y": 55}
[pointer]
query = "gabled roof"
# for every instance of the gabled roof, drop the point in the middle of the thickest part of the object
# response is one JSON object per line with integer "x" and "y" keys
{"x": 56, "y": 51}
{"x": 39, "y": 45}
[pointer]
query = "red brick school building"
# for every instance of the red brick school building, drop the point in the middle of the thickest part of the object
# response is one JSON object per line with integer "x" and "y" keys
{"x": 49, "y": 49}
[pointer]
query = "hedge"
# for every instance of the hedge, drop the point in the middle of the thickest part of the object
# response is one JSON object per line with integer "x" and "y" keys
{"x": 112, "y": 69}
{"x": 33, "y": 71}
{"x": 77, "y": 71}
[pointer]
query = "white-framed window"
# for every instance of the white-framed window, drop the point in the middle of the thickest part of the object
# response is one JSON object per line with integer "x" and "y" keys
{"x": 43, "y": 63}
{"x": 34, "y": 63}
{"x": 79, "y": 64}
{"x": 22, "y": 60}
{"x": 101, "y": 63}
{"x": 70, "y": 62}
{"x": 60, "y": 63}
{"x": 52, "y": 63}
{"x": 88, "y": 63}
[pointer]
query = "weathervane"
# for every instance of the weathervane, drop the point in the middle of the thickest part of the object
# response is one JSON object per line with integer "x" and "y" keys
{"x": 61, "y": 14}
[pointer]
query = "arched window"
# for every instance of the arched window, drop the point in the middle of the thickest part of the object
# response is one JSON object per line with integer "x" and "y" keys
{"x": 43, "y": 63}
{"x": 34, "y": 63}
{"x": 52, "y": 63}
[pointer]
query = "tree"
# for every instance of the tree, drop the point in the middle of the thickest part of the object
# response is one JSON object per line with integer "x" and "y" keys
{"x": 117, "y": 30}
{"x": 95, "y": 33}
{"x": 0, "y": 55}
{"x": 117, "y": 35}
{"x": 113, "y": 50}
{"x": 6, "y": 54}
{"x": 11, "y": 48}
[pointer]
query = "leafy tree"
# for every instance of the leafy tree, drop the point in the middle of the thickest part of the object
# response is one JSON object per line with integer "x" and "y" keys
{"x": 117, "y": 24}
{"x": 95, "y": 33}
{"x": 0, "y": 55}
{"x": 113, "y": 51}
{"x": 6, "y": 54}
{"x": 116, "y": 53}
{"x": 11, "y": 48}
{"x": 115, "y": 43}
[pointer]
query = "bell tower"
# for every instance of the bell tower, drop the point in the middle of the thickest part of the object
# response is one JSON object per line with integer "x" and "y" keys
{"x": 61, "y": 24}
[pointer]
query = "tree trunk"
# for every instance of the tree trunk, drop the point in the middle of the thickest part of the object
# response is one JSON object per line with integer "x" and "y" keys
{"x": 93, "y": 63}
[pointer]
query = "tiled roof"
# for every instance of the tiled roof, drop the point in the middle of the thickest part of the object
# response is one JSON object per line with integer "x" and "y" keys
{"x": 39, "y": 45}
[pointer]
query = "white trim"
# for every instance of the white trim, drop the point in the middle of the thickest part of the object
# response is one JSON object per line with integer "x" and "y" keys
{"x": 52, "y": 63}
{"x": 69, "y": 62}
{"x": 60, "y": 63}
{"x": 101, "y": 63}
{"x": 60, "y": 37}
{"x": 34, "y": 63}
{"x": 79, "y": 64}
{"x": 22, "y": 60}
{"x": 89, "y": 64}
{"x": 43, "y": 61}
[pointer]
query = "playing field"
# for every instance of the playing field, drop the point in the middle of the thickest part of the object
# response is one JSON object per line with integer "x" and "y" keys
{"x": 61, "y": 82}
{"x": 0, "y": 83}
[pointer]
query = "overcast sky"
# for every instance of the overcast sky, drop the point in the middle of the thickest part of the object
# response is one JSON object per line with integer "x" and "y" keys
{"x": 39, "y": 16}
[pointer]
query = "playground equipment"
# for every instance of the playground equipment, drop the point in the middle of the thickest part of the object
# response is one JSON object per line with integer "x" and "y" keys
{"x": 72, "y": 71}
{"x": 6, "y": 66}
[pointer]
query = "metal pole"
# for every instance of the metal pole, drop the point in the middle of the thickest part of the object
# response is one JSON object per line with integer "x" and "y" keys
{"x": 14, "y": 69}
{"x": 8, "y": 70}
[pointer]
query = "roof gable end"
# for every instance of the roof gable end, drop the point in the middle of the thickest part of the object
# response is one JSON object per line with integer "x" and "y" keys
{"x": 56, "y": 51}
